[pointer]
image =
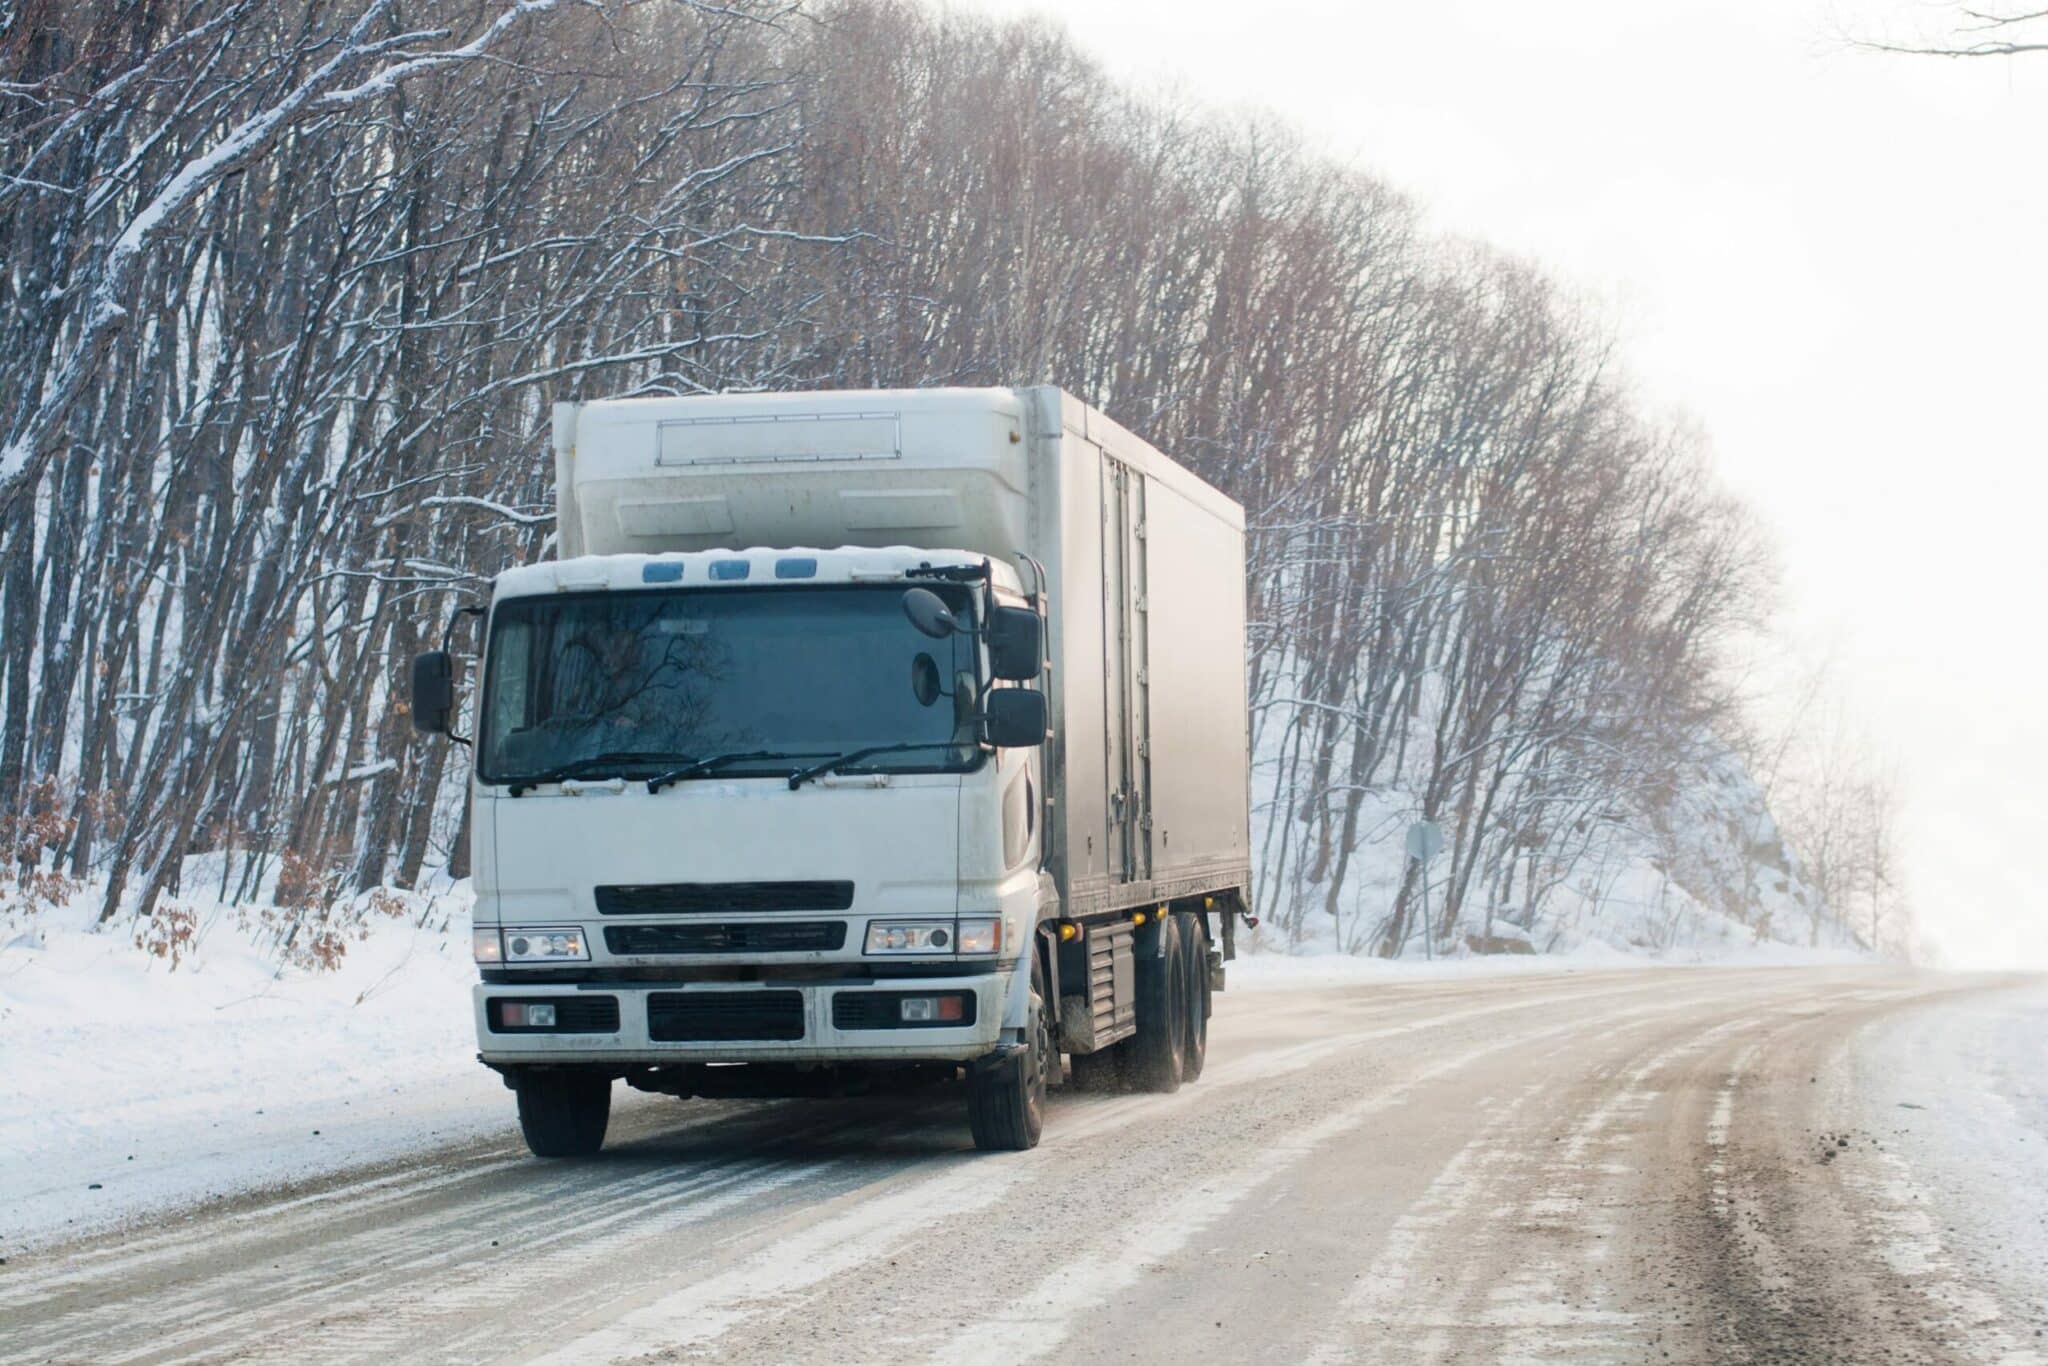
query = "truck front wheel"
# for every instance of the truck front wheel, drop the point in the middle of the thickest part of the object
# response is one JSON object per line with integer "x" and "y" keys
{"x": 564, "y": 1114}
{"x": 1006, "y": 1099}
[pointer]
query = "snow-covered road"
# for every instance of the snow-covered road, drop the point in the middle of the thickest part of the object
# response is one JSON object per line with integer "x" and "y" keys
{"x": 1714, "y": 1164}
{"x": 1959, "y": 1095}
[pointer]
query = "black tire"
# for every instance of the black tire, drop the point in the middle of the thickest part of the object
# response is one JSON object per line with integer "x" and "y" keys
{"x": 1156, "y": 1058}
{"x": 1195, "y": 950}
{"x": 1006, "y": 1100}
{"x": 564, "y": 1114}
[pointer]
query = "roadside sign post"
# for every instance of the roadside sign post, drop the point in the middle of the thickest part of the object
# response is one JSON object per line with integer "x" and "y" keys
{"x": 1424, "y": 842}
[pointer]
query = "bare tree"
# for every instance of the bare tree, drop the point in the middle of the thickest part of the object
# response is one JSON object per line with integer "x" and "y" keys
{"x": 140, "y": 200}
{"x": 288, "y": 287}
{"x": 1974, "y": 32}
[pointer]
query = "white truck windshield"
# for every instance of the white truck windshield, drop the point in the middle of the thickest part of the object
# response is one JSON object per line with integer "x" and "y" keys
{"x": 762, "y": 680}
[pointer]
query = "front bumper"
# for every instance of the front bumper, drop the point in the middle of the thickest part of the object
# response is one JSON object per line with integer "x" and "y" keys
{"x": 822, "y": 1040}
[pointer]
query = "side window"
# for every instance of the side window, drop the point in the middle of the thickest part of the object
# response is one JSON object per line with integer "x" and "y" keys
{"x": 511, "y": 663}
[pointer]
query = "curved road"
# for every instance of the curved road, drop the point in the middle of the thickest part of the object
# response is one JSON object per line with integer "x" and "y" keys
{"x": 1611, "y": 1166}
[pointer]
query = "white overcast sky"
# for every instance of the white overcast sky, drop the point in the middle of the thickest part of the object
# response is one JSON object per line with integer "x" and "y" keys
{"x": 1837, "y": 261}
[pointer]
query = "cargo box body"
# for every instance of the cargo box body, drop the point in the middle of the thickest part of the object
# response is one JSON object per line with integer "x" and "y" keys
{"x": 1147, "y": 769}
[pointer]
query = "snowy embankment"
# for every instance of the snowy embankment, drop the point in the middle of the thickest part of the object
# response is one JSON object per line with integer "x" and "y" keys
{"x": 132, "y": 1086}
{"x": 1956, "y": 1098}
{"x": 1702, "y": 875}
{"x": 1278, "y": 971}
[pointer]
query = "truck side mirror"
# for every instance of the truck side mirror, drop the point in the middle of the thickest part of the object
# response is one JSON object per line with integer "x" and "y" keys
{"x": 928, "y": 613}
{"x": 1016, "y": 644}
{"x": 924, "y": 680}
{"x": 1014, "y": 718}
{"x": 433, "y": 692}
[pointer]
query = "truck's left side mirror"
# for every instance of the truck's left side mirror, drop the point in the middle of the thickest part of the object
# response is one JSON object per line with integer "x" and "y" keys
{"x": 1016, "y": 644}
{"x": 433, "y": 692}
{"x": 1014, "y": 718}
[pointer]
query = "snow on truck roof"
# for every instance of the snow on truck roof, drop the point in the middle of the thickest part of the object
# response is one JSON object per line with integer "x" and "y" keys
{"x": 938, "y": 399}
{"x": 758, "y": 565}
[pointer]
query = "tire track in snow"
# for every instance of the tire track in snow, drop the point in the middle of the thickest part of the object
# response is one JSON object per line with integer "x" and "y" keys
{"x": 372, "y": 1266}
{"x": 1457, "y": 1274}
{"x": 1055, "y": 1306}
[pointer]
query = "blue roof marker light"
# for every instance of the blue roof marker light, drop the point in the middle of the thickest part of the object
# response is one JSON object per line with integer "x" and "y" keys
{"x": 729, "y": 571}
{"x": 796, "y": 567}
{"x": 660, "y": 572}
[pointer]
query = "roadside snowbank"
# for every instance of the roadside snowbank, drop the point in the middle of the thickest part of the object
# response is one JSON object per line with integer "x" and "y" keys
{"x": 1958, "y": 1095}
{"x": 131, "y": 1085}
{"x": 1702, "y": 871}
{"x": 1260, "y": 971}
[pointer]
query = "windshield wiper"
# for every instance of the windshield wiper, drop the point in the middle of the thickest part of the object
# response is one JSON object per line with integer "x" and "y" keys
{"x": 591, "y": 766}
{"x": 696, "y": 766}
{"x": 852, "y": 756}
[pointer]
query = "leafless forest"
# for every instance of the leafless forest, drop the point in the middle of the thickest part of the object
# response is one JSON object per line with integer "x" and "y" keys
{"x": 288, "y": 288}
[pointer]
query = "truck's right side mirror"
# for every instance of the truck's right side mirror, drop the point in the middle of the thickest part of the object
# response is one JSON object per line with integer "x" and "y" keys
{"x": 1014, "y": 718}
{"x": 1016, "y": 644}
{"x": 433, "y": 692}
{"x": 929, "y": 614}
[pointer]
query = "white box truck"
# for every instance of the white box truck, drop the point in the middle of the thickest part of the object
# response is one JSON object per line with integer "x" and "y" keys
{"x": 857, "y": 740}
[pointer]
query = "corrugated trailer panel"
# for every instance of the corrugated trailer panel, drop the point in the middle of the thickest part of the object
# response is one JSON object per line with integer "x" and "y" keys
{"x": 1147, "y": 577}
{"x": 1196, "y": 618}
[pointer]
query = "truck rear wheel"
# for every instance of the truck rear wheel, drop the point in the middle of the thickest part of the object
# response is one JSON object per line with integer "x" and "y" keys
{"x": 1006, "y": 1100}
{"x": 1156, "y": 1058}
{"x": 564, "y": 1114}
{"x": 1195, "y": 954}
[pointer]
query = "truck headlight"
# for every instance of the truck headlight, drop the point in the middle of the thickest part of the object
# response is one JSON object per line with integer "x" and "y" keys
{"x": 981, "y": 934}
{"x": 544, "y": 944}
{"x": 920, "y": 936}
{"x": 485, "y": 946}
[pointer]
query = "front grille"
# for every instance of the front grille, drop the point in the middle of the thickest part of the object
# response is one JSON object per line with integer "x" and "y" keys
{"x": 878, "y": 1010}
{"x": 727, "y": 970}
{"x": 723, "y": 898}
{"x": 765, "y": 936}
{"x": 725, "y": 1016}
{"x": 573, "y": 1015}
